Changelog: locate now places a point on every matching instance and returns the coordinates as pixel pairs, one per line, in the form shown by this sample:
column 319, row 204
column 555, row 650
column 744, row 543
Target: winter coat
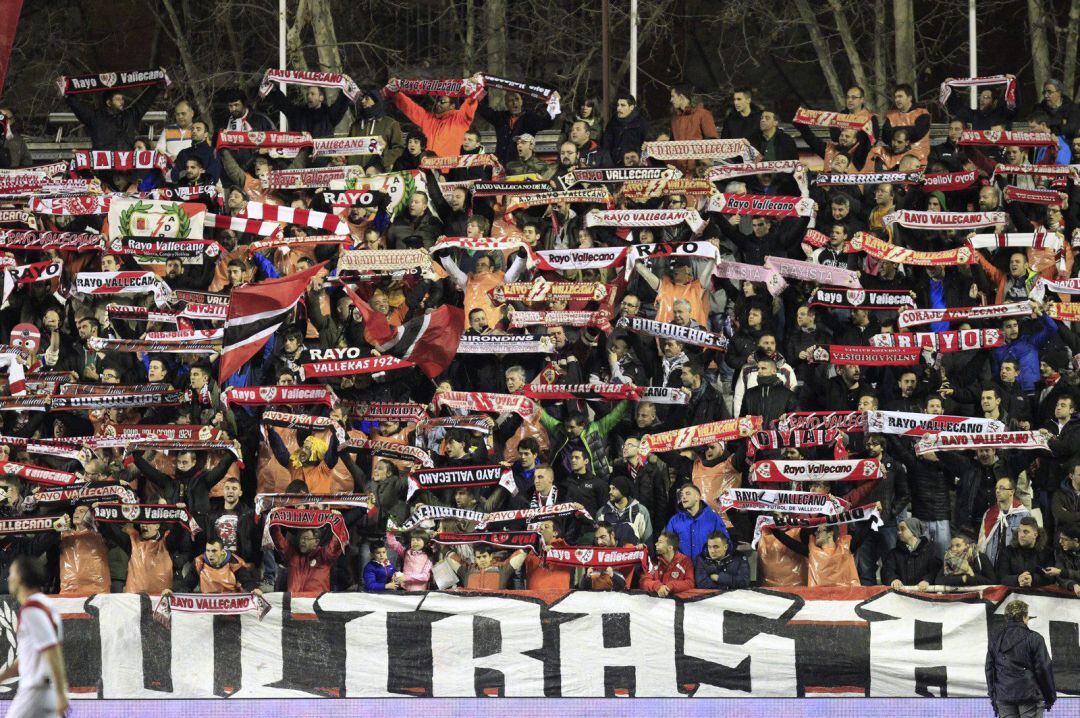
column 911, row 567
column 507, row 126
column 113, row 130
column 732, row 571
column 318, row 121
column 1018, row 667
column 677, row 574
column 443, row 132
column 625, row 134
column 1015, row 560
column 377, row 576
column 694, row 531
column 594, row 437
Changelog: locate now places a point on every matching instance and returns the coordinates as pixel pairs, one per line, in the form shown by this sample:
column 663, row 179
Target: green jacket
column 594, row 437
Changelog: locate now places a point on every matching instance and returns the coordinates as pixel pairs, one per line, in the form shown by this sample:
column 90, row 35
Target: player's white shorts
column 38, row 702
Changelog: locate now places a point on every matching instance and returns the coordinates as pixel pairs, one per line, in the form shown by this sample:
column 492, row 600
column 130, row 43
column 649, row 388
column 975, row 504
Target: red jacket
column 308, row 573
column 677, row 575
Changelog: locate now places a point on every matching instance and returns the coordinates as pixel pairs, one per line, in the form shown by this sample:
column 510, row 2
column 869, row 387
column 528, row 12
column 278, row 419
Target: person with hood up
column 913, row 561
column 626, row 131
column 372, row 121
column 719, row 567
column 1019, row 672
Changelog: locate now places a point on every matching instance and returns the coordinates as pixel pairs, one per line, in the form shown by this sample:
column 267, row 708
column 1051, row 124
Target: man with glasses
column 1064, row 113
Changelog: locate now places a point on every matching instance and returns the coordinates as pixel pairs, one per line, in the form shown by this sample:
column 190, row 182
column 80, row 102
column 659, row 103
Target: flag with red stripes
column 255, row 312
column 430, row 342
column 376, row 328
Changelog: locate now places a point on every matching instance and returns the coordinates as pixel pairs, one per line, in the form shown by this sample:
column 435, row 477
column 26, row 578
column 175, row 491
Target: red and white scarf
column 506, row 344
column 102, row 283
column 32, row 239
column 618, row 175
column 24, row 274
column 840, row 120
column 887, row 251
column 338, row 146
column 1016, row 440
column 383, row 261
column 950, row 341
column 645, row 218
column 311, row 177
column 770, row 471
column 811, row 272
column 347, row 367
column 126, row 161
column 851, row 179
column 118, row 513
column 242, row 225
column 297, row 518
column 77, row 494
column 280, row 394
column 564, row 260
column 719, row 173
column 762, row 205
column 1032, row 196
column 484, row 401
column 309, row 218
column 391, row 449
column 1064, row 311
column 915, row 317
column 1007, row 138
column 540, row 92
column 535, row 515
column 597, row 557
column 605, row 392
column 692, row 186
column 77, row 206
column 1063, row 172
column 561, row 318
column 217, row 604
column 263, row 502
column 1009, row 81
column 437, row 88
column 771, row 440
column 944, row 220
column 305, row 422
column 508, row 540
column 842, row 355
column 1039, row 239
column 451, row 162
column 242, row 140
column 38, row 474
column 541, row 290
column 845, row 421
column 773, row 280
column 164, row 247
column 688, row 437
column 905, row 423
column 309, row 78
column 699, row 150
column 388, row 411
column 591, row 195
column 156, row 346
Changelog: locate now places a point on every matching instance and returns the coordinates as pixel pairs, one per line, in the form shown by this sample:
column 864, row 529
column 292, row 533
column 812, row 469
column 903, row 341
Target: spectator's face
column 851, row 372
column 183, row 114
column 193, row 170
column 418, row 205
column 236, row 109
column 839, row 163
column 1026, row 535
column 907, row 384
column 933, row 406
column 1003, row 492
column 933, row 204
column 380, row 472
column 1063, row 409
column 753, row 318
column 543, row 480
column 232, row 492
column 689, row 379
column 646, row 415
column 414, row 146
column 463, row 499
column 1018, row 265
column 987, row 198
column 156, row 371
column 51, row 320
column 847, row 138
column 198, row 378
column 804, row 318
column 714, row 451
column 586, row 110
column 110, row 376
column 313, row 96
column 630, row 306
column 883, row 195
column 115, row 102
column 87, row 330
column 9, row 493
column 623, row 109
column 620, row 348
column 577, row 462
column 478, row 321
column 631, row 158
column 904, row 533
column 173, row 268
column 853, row 100
column 455, row 448
column 579, row 133
column 760, row 227
column 867, row 403
column 955, row 129
column 109, row 263
column 1051, row 95
column 689, row 498
column 989, row 401
column 524, row 149
column 986, row 456
column 528, row 458
column 1011, row 329
column 840, row 210
column 766, row 368
column 558, row 337
column 236, row 276
column 568, row 154
column 470, row 142
column 482, row 558
column 767, row 344
column 442, row 105
column 768, row 122
column 681, row 314
column 548, row 532
column 1075, row 145
column 514, row 381
column 1053, row 216
column 900, row 142
column 379, row 554
column 630, row 449
column 604, row 537
column 531, row 235
column 215, row 554
column 513, row 103
column 574, row 427
column 457, row 199
column 1008, row 372
column 902, row 100
column 678, row 101
column 741, row 102
column 986, row 100
column 671, row 348
column 838, row 235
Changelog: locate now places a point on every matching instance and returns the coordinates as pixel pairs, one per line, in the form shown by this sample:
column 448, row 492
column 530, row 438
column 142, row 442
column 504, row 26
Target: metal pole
column 973, row 55
column 633, row 46
column 605, row 53
column 283, row 123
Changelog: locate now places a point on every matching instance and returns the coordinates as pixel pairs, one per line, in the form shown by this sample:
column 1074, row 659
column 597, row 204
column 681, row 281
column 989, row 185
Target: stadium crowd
column 682, row 341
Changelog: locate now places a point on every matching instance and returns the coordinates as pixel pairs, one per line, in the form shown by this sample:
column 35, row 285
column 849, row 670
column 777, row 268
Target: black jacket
column 732, row 570
column 1018, row 668
column 113, row 130
column 929, row 483
column 911, row 567
column 650, row 486
column 768, row 402
column 248, row 537
column 319, row 121
column 191, row 487
column 1015, row 560
column 985, row 574
column 783, row 145
column 507, row 126
column 622, row 135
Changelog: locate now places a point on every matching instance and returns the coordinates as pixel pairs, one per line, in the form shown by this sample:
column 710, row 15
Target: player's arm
column 54, row 657
column 11, row 671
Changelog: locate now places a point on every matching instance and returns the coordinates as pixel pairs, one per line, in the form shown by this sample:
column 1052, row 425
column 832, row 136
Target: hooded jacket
column 374, row 122
column 1018, row 667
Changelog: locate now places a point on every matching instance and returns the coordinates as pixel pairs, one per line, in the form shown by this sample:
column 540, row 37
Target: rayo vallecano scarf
column 699, row 435
column 509, row 540
column 1021, row 440
column 145, row 514
column 484, row 401
column 462, row 477
column 597, row 557
column 37, row 474
column 868, row 512
column 265, row 502
column 306, row 77
column 297, row 518
column 795, row 502
column 391, row 449
column 770, row 471
column 915, row 317
column 882, row 299
column 77, row 84
column 911, row 424
column 950, row 341
column 218, row 604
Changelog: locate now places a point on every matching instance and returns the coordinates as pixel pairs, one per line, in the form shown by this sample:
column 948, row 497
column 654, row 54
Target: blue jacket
column 694, row 531
column 376, row 576
column 1025, row 349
